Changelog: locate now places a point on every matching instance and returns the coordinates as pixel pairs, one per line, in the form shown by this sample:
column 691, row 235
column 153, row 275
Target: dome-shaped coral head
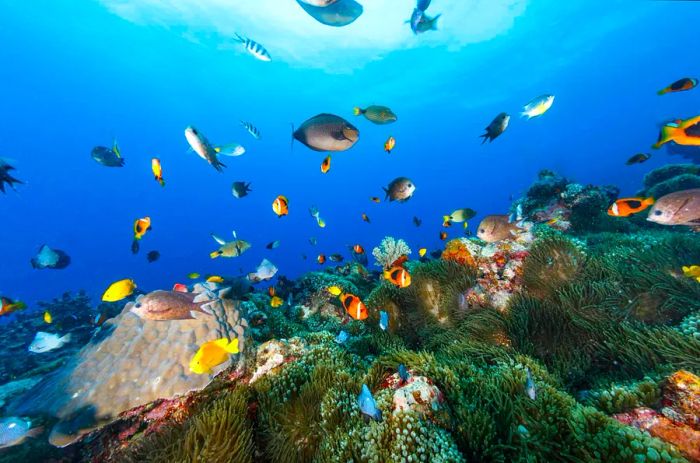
column 457, row 251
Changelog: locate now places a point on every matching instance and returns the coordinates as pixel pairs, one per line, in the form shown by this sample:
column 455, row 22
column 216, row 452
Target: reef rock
column 499, row 271
column 681, row 394
column 274, row 353
column 131, row 362
column 684, row 438
column 419, row 395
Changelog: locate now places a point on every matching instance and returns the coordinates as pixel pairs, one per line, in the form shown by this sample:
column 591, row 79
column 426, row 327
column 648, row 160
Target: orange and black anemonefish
column 321, row 259
column 681, row 85
column 443, row 235
column 627, row 206
column 365, row 217
column 398, row 276
column 354, row 306
column 682, row 132
column 326, row 165
column 280, row 206
column 358, row 249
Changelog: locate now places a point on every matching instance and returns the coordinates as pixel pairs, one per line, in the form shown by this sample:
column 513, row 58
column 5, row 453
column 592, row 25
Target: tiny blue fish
column 403, row 373
column 368, row 406
column 342, row 337
column 383, row 320
column 251, row 129
column 530, row 386
column 254, row 48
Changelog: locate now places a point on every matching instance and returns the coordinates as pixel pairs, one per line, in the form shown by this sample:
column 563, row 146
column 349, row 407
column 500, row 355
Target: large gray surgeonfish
column 335, row 13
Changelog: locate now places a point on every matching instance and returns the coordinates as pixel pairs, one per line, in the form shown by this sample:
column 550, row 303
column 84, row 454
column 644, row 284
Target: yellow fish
column 335, row 290
column 276, row 301
column 47, row 317
column 692, row 271
column 212, row 354
column 157, row 171
column 119, row 290
column 422, row 251
column 215, row 279
column 193, row 275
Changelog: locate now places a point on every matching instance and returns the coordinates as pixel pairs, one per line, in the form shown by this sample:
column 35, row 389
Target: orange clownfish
column 358, row 249
column 280, row 206
column 399, row 276
column 443, row 235
column 321, row 259
column 365, row 217
column 141, row 226
column 389, row 144
column 354, row 306
column 687, row 83
column 326, row 165
column 628, row 206
column 374, row 199
column 157, row 171
column 8, row 306
column 685, row 133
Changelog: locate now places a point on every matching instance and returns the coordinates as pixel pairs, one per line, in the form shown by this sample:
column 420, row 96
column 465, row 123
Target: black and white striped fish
column 254, row 48
column 251, row 129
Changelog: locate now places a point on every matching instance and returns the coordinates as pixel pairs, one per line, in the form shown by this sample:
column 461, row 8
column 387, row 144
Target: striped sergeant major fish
column 254, row 48
column 251, row 129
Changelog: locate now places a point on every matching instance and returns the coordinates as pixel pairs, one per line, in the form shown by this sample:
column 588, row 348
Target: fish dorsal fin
column 235, row 236
column 218, row 240
column 42, row 336
column 115, row 148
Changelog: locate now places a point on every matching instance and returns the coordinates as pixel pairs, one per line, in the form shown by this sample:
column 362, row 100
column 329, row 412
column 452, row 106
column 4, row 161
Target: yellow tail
column 667, row 134
column 214, row 254
column 357, row 111
column 648, row 201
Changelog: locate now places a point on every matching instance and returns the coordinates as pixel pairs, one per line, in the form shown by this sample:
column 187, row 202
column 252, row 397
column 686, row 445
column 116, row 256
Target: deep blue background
column 74, row 76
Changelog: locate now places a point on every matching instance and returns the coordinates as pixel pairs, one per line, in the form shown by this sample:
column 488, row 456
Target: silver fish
column 46, row 342
column 251, row 129
column 14, row 431
column 200, row 145
column 254, row 48
column 327, row 132
column 530, row 387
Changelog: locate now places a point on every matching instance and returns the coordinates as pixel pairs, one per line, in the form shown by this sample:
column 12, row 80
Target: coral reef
column 575, row 341
column 131, row 362
column 389, row 251
column 670, row 178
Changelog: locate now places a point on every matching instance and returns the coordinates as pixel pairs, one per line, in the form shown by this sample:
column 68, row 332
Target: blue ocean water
column 79, row 74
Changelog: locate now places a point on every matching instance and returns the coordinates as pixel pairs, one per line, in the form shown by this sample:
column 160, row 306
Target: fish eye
column 137, row 305
column 481, row 230
column 657, row 212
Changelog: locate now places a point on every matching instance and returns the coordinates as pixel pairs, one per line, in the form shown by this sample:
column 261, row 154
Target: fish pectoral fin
column 218, row 240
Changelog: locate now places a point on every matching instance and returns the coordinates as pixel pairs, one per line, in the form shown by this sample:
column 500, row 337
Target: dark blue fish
column 109, row 157
column 367, row 404
column 5, row 177
column 423, row 4
column 403, row 373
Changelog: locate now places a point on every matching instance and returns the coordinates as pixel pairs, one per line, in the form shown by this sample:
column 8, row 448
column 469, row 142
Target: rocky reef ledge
column 575, row 341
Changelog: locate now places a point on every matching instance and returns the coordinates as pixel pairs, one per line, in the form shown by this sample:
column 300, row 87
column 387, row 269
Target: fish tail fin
column 445, row 218
column 135, row 246
column 232, row 347
column 525, row 115
column 357, row 111
column 667, row 134
column 65, row 339
column 663, row 91
column 214, row 254
column 161, row 181
column 485, row 138
column 35, row 432
column 239, row 37
column 386, row 191
column 291, row 144
column 649, row 201
column 434, row 24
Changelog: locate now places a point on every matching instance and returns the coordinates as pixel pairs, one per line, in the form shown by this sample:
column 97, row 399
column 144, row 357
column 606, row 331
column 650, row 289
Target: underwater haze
column 85, row 73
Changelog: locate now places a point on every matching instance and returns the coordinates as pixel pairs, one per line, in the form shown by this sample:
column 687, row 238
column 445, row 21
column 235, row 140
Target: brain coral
column 129, row 363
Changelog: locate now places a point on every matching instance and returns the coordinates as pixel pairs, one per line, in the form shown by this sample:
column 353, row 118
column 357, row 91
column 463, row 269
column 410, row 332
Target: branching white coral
column 389, row 250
